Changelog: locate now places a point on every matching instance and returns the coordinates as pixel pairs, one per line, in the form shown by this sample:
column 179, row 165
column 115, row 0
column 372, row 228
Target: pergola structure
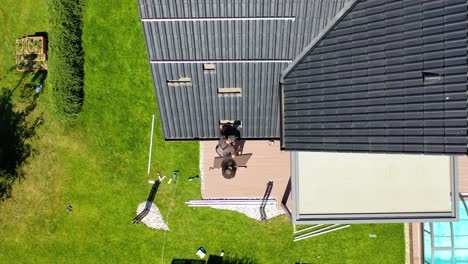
column 447, row 242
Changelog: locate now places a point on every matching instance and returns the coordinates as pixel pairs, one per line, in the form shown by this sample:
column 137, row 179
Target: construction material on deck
column 241, row 160
column 317, row 230
column 243, row 202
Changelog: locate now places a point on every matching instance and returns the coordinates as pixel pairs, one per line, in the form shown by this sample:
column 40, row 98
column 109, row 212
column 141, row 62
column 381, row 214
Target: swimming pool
column 447, row 242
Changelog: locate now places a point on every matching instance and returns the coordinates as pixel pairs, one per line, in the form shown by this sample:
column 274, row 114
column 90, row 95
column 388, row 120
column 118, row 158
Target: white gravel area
column 154, row 218
column 202, row 175
column 407, row 243
column 252, row 211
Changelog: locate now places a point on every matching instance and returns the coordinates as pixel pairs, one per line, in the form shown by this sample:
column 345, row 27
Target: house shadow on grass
column 15, row 131
column 212, row 259
column 188, row 261
column 239, row 260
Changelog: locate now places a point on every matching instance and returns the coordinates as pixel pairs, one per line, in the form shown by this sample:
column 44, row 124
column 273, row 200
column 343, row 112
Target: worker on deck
column 228, row 136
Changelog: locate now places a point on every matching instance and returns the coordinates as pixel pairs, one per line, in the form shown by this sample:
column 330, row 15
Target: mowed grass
column 99, row 166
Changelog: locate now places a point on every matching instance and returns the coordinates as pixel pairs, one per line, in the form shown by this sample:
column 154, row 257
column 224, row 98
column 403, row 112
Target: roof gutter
column 281, row 96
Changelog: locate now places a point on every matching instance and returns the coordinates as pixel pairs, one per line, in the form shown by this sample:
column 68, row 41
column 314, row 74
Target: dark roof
column 250, row 42
column 386, row 76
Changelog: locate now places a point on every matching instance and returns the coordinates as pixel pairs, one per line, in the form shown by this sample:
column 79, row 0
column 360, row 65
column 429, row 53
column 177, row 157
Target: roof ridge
column 335, row 21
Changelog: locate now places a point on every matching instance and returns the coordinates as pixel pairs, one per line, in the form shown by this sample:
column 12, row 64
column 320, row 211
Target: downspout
column 281, row 96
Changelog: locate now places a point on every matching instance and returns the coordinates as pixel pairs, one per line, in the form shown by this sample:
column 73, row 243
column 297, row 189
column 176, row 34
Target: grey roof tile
column 244, row 32
column 380, row 101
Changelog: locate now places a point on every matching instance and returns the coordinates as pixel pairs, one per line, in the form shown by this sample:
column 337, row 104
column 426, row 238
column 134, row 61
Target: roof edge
column 348, row 7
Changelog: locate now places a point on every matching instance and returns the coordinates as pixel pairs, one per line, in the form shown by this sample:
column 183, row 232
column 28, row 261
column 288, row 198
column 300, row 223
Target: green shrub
column 66, row 57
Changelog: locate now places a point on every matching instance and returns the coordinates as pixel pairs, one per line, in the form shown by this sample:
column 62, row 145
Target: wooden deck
column 415, row 243
column 268, row 163
column 463, row 174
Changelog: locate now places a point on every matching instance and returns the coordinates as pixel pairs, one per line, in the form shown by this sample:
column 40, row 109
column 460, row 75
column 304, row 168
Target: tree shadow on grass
column 15, row 131
column 10, row 70
column 239, row 260
column 39, row 77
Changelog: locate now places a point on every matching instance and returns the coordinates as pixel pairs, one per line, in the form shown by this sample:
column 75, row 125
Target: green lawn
column 99, row 166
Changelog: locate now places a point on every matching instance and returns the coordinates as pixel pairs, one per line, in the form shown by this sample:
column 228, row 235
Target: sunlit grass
column 99, row 166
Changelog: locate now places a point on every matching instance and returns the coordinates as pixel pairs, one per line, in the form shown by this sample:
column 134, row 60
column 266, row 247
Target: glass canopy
column 447, row 242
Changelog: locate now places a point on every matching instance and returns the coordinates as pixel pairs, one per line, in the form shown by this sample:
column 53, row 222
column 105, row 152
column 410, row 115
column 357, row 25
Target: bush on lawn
column 66, row 57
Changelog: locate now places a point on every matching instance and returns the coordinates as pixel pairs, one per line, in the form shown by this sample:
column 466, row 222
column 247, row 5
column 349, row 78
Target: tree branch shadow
column 10, row 70
column 15, row 132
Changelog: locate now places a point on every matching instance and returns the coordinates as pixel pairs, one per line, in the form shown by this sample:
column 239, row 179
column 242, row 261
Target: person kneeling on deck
column 227, row 141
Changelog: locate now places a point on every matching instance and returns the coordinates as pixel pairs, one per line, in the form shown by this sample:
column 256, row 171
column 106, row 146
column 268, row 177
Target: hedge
column 66, row 57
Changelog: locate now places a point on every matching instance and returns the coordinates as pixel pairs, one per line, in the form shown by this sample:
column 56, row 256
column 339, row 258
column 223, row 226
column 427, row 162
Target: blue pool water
column 445, row 242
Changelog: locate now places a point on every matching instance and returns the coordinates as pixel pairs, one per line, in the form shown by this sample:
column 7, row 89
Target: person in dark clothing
column 225, row 148
column 230, row 130
column 228, row 137
column 228, row 168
